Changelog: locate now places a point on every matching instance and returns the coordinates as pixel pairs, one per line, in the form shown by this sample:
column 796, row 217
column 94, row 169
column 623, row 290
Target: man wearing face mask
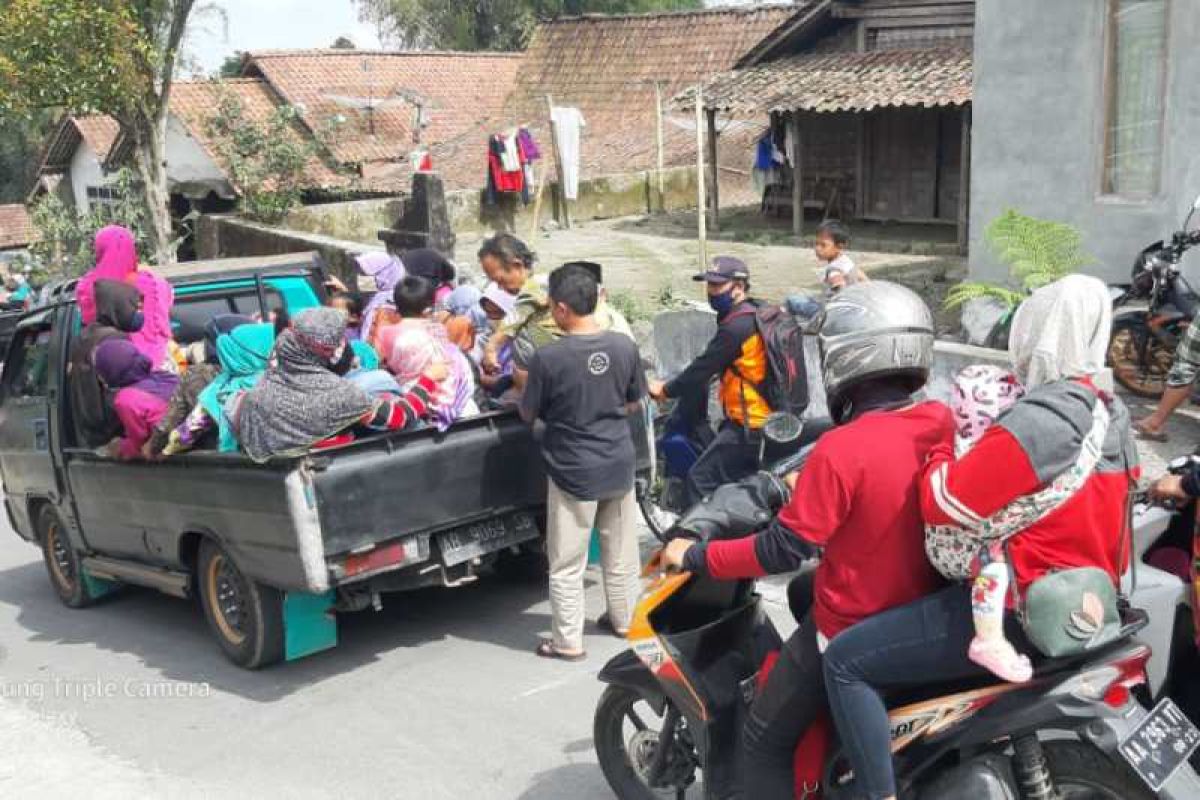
column 738, row 356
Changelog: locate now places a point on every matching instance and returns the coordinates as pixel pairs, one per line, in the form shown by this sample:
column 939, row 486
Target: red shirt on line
column 859, row 499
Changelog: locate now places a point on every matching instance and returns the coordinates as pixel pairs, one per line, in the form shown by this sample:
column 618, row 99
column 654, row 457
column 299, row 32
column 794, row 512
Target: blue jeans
column 922, row 643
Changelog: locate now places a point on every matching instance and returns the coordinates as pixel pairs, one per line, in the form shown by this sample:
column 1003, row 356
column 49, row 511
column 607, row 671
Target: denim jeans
column 791, row 701
column 924, row 642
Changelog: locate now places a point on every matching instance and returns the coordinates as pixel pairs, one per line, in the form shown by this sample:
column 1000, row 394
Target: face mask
column 343, row 360
column 721, row 303
column 136, row 321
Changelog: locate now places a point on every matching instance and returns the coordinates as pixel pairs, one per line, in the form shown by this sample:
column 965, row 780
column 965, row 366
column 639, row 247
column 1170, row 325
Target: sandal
column 546, row 649
column 604, row 623
column 1142, row 432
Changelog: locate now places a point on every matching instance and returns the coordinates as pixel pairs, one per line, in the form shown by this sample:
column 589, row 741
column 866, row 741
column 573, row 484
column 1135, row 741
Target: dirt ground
column 648, row 262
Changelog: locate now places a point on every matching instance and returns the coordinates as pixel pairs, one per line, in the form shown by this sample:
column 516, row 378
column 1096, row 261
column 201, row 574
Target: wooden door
column 903, row 174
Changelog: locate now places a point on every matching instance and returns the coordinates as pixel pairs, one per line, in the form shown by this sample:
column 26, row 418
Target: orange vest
column 739, row 398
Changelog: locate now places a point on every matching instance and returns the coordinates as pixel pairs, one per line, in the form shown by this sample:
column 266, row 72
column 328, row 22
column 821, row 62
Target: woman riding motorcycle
column 1057, row 346
column 856, row 499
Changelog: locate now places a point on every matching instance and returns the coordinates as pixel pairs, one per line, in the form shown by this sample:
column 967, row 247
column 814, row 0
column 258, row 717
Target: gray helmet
column 873, row 330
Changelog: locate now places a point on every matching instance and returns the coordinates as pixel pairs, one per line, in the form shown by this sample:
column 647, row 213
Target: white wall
column 85, row 172
column 190, row 170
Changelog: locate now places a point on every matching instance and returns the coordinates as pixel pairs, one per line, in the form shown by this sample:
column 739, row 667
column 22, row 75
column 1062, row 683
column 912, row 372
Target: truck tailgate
column 418, row 482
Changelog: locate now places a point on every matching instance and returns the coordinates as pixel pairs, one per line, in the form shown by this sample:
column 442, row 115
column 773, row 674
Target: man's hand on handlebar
column 674, row 552
column 657, row 390
column 1168, row 488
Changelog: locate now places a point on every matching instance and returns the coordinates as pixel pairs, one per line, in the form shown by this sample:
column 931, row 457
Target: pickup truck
column 272, row 550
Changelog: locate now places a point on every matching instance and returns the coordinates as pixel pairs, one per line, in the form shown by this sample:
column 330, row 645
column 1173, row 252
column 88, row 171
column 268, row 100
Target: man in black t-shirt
column 583, row 387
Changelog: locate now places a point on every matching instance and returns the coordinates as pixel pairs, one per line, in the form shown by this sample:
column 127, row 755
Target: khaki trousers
column 569, row 529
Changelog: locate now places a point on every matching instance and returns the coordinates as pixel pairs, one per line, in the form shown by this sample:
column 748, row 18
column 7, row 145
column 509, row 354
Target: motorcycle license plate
column 471, row 541
column 1160, row 744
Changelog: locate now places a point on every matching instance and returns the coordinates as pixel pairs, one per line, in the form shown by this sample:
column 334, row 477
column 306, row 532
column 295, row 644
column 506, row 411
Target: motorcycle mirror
column 783, row 427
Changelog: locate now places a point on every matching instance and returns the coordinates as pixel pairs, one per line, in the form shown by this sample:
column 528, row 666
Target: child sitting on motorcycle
column 963, row 551
column 877, row 345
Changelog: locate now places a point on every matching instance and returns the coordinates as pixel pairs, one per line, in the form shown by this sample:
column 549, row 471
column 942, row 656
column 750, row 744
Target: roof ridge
column 317, row 51
column 789, row 7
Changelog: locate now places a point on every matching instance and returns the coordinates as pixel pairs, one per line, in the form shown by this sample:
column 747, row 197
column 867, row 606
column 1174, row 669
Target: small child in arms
column 830, row 249
column 981, row 394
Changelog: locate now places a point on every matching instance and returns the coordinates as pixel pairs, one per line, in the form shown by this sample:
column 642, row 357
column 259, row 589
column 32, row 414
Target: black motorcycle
column 676, row 701
column 1142, row 346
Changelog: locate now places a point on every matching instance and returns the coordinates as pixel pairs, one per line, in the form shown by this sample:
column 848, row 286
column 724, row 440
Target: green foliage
column 65, row 238
column 266, row 160
column 231, row 67
column 629, row 305
column 21, row 140
column 485, row 24
column 1037, row 252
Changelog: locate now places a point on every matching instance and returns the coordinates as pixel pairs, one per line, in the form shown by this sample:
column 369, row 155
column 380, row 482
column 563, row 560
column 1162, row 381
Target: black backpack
column 785, row 387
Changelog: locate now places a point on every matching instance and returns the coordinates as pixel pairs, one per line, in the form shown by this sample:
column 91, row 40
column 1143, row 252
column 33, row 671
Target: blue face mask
column 721, row 303
column 136, row 321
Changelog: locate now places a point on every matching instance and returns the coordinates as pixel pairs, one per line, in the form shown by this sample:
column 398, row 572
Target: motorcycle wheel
column 1146, row 378
column 659, row 519
column 1081, row 772
column 626, row 739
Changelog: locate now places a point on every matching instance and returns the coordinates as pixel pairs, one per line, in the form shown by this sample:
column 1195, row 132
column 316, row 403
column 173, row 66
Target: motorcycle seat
column 1132, row 621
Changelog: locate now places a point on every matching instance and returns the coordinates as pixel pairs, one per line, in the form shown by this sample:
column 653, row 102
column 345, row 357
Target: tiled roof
column 607, row 67
column 16, row 228
column 99, row 132
column 457, row 90
column 843, row 82
column 195, row 102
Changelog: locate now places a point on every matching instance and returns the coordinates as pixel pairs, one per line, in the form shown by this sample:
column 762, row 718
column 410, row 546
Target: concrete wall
column 85, row 171
column 355, row 220
column 226, row 236
column 190, row 170
column 1038, row 140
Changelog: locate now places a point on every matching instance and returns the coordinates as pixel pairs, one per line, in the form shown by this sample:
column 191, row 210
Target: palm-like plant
column 1037, row 252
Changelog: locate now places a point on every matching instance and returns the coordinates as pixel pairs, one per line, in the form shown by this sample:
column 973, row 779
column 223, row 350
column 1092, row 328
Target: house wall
column 1038, row 140
column 190, row 170
column 85, row 171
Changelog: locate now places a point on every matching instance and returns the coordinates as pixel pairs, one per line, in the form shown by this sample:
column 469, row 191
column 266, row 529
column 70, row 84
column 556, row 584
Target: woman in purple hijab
column 388, row 271
column 142, row 394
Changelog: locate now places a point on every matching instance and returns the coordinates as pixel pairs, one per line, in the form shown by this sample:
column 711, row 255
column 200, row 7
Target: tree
column 343, row 43
column 21, row 140
column 484, row 24
column 231, row 67
column 114, row 57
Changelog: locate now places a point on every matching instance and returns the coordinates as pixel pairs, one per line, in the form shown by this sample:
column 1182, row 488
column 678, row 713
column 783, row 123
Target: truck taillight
column 381, row 557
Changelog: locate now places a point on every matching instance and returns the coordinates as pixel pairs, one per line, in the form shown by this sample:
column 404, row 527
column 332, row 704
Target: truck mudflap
column 309, row 624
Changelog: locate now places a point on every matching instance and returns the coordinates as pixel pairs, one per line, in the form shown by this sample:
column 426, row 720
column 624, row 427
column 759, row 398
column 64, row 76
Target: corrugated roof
column 457, row 90
column 606, row 66
column 843, row 82
column 16, row 228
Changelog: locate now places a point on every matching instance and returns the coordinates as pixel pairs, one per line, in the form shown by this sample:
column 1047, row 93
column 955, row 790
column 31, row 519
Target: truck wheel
column 62, row 561
column 246, row 617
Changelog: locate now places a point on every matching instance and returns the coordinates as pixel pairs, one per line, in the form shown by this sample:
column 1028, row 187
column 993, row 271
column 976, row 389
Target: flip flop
column 1148, row 435
column 546, row 649
column 604, row 623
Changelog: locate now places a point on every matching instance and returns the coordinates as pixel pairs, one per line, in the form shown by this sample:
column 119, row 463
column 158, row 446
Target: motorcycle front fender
column 627, row 670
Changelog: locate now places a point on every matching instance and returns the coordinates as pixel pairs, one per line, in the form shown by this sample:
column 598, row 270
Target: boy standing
column 582, row 386
column 830, row 247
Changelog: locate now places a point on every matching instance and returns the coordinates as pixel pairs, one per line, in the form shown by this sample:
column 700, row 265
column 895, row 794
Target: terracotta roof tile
column 607, row 67
column 99, row 132
column 458, row 89
column 16, row 228
column 194, row 103
column 843, row 82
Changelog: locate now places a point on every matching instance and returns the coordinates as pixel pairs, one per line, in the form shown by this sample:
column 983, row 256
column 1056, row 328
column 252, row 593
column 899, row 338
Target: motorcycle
column 675, row 702
column 1142, row 346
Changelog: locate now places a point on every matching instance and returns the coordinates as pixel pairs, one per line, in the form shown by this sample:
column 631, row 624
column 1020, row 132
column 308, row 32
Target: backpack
column 785, row 387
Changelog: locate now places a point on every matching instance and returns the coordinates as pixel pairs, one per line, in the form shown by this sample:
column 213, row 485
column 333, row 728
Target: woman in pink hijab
column 116, row 260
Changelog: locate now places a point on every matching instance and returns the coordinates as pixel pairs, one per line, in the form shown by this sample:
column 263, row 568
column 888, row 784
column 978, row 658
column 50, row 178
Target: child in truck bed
column 142, row 394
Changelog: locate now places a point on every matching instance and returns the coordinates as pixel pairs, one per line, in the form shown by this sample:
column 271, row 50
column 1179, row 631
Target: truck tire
column 62, row 561
column 245, row 617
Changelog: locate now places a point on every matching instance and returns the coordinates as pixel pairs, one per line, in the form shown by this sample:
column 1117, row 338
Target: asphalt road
column 436, row 696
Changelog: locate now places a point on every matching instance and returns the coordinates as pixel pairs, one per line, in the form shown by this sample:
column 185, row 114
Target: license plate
column 471, row 541
column 1160, row 744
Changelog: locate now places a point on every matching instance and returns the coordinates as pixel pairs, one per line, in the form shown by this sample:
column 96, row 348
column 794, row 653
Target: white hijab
column 1061, row 331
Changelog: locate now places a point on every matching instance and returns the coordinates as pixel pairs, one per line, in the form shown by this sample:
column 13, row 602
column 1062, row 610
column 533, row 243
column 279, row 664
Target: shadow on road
column 171, row 636
column 586, row 782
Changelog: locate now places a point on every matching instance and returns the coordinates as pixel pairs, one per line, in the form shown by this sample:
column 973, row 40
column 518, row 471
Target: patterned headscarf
column 982, row 392
column 299, row 400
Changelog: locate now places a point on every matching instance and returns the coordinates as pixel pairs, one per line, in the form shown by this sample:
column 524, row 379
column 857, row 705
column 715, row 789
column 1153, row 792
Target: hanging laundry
column 500, row 179
column 529, row 147
column 568, row 123
column 510, row 159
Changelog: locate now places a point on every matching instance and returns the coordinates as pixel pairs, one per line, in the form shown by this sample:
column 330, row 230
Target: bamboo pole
column 562, row 185
column 658, row 139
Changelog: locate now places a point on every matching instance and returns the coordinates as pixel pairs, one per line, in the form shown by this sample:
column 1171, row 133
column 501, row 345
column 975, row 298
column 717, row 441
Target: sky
column 267, row 24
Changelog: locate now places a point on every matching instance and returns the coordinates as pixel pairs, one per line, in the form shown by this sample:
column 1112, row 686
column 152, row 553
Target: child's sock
column 989, row 648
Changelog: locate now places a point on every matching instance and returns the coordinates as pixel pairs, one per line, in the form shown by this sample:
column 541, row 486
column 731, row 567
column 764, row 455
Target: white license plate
column 1160, row 744
column 471, row 541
